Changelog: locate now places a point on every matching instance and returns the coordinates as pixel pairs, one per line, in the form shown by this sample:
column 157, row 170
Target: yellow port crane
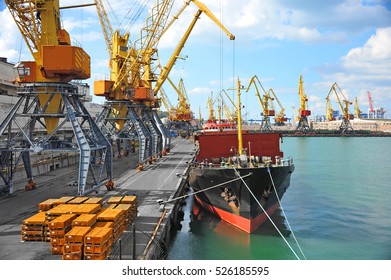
column 48, row 100
column 170, row 63
column 303, row 125
column 211, row 110
column 265, row 103
column 133, row 78
column 357, row 111
column 345, row 126
column 167, row 103
column 280, row 117
column 183, row 111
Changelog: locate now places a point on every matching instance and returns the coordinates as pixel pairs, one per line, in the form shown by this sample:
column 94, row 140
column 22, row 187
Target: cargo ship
column 240, row 175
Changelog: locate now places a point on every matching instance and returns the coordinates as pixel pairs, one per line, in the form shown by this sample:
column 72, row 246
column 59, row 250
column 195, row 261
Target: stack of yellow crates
column 58, row 228
column 47, row 204
column 33, row 228
column 97, row 243
column 80, row 227
column 74, row 243
column 117, row 217
column 132, row 211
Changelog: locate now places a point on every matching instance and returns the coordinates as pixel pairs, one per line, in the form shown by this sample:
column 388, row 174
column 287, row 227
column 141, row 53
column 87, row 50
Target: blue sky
column 348, row 42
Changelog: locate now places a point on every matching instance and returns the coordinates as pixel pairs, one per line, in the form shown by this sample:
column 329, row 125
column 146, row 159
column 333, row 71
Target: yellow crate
column 129, row 199
column 47, row 204
column 104, row 224
column 63, row 200
column 57, row 250
column 110, row 215
column 98, row 235
column 96, row 249
column 85, row 208
column 37, row 219
column 62, row 221
column 57, row 241
column 114, row 200
column 85, row 220
column 73, row 248
column 61, row 209
column 94, row 200
column 76, row 234
column 72, row 256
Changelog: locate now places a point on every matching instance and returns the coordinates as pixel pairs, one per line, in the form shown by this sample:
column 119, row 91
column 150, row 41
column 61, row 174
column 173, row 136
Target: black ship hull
column 234, row 202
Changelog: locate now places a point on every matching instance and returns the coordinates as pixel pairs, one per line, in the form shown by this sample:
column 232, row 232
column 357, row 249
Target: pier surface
column 162, row 180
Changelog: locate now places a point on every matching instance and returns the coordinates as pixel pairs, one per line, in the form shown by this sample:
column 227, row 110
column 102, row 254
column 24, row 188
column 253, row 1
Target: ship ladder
column 267, row 215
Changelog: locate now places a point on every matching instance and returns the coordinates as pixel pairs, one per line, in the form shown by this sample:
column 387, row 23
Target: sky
column 342, row 41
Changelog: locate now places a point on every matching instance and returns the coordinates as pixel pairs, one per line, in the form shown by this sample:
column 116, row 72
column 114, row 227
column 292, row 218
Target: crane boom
column 170, row 63
column 105, row 23
column 139, row 58
column 266, row 97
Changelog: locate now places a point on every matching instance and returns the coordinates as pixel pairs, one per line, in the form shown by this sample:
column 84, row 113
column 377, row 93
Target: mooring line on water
column 283, row 212
column 267, row 215
column 204, row 190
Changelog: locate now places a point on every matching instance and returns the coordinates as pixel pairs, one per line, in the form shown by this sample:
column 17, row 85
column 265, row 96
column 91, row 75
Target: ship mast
column 240, row 139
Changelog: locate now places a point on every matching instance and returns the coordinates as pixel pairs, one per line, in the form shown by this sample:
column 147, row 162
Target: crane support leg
column 144, row 137
column 39, row 122
column 156, row 135
column 164, row 131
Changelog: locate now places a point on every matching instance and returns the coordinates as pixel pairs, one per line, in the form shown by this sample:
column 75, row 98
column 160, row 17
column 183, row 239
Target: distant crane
column 280, row 117
column 303, row 111
column 264, row 102
column 357, row 111
column 376, row 113
column 346, row 117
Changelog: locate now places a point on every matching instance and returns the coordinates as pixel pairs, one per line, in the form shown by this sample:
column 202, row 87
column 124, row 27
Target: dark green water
column 338, row 205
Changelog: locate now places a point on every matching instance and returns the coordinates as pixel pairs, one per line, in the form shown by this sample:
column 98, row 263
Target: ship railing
column 240, row 164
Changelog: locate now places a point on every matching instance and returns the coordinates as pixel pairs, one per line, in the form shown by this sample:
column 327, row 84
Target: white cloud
column 200, row 91
column 372, row 59
column 8, row 41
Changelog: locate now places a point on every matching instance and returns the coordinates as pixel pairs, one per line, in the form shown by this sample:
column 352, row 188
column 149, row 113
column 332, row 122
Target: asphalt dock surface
column 161, row 180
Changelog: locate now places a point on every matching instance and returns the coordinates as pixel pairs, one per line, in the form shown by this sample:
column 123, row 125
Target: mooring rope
column 283, row 212
column 204, row 190
column 267, row 215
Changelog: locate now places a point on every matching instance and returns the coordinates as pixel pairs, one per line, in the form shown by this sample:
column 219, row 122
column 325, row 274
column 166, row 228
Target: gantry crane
column 50, row 115
column 303, row 125
column 264, row 102
column 280, row 117
column 183, row 111
column 346, row 116
column 129, row 100
column 135, row 76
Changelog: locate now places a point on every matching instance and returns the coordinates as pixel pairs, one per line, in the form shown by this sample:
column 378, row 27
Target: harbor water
column 338, row 206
